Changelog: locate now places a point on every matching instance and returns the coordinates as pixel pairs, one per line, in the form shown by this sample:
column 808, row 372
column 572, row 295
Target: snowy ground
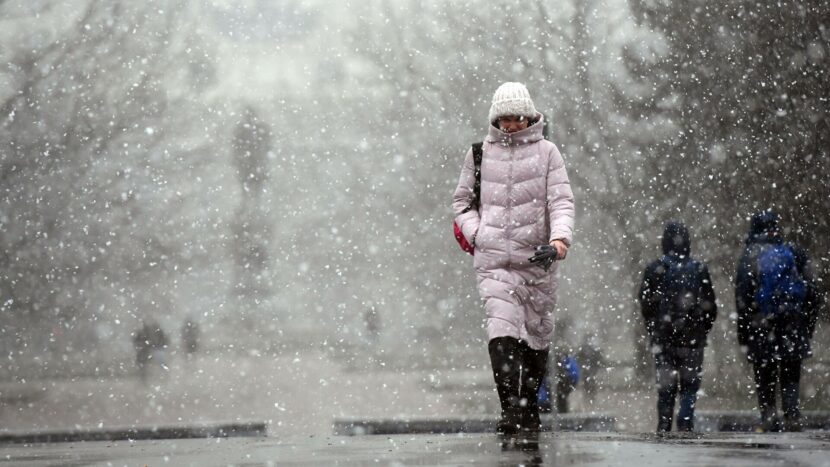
column 300, row 395
column 551, row 449
column 295, row 394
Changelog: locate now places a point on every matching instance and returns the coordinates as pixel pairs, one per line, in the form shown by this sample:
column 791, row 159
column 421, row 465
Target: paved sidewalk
column 552, row 449
column 300, row 394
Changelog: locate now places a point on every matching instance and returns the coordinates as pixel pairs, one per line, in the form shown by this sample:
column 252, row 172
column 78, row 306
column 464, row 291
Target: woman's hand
column 561, row 249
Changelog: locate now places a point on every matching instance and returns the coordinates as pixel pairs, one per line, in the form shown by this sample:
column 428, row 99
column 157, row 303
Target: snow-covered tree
column 99, row 124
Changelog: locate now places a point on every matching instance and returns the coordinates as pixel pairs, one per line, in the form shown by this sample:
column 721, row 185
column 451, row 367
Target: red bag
column 462, row 242
column 459, row 237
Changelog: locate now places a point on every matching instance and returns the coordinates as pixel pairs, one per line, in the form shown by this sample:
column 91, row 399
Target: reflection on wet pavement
column 547, row 449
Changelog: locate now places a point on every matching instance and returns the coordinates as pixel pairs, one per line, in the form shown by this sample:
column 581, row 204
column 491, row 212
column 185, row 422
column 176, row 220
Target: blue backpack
column 781, row 288
column 571, row 368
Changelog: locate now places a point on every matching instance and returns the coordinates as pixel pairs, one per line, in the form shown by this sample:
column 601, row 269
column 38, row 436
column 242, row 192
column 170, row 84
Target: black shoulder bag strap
column 478, row 153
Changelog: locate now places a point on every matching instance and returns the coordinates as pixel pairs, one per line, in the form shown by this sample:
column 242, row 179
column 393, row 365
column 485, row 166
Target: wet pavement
column 551, row 449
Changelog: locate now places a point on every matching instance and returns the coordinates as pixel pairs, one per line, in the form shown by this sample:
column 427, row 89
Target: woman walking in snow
column 522, row 222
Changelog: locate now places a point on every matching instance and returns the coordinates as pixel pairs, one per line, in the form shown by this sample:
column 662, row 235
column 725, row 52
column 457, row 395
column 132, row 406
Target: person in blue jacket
column 777, row 303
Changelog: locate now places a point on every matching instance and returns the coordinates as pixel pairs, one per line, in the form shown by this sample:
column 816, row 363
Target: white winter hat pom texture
column 512, row 99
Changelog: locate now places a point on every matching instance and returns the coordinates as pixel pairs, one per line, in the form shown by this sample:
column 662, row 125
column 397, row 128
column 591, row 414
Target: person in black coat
column 678, row 304
column 775, row 333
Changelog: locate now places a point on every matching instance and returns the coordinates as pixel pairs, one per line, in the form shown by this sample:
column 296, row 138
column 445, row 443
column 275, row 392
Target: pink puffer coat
column 526, row 200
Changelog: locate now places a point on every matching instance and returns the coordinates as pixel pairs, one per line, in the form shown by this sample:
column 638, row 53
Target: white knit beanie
column 512, row 99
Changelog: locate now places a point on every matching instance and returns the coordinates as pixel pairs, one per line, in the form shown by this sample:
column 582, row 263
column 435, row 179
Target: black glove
column 545, row 256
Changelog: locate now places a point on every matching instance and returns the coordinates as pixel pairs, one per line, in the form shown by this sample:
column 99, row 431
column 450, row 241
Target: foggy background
column 274, row 171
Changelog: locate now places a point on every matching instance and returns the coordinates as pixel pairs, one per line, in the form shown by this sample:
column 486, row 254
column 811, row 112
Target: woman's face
column 512, row 123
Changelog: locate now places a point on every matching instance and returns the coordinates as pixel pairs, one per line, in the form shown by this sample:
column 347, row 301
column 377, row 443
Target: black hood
column 676, row 240
column 763, row 227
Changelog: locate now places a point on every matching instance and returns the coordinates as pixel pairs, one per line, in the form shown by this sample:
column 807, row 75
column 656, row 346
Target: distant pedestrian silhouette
column 678, row 303
column 372, row 320
column 150, row 344
column 590, row 360
column 190, row 334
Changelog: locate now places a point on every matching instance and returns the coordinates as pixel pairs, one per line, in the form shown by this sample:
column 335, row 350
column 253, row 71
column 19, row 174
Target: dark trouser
column 518, row 370
column 562, row 401
column 564, row 388
column 677, row 368
column 787, row 373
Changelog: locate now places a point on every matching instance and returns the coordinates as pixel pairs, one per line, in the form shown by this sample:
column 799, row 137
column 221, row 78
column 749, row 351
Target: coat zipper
column 509, row 226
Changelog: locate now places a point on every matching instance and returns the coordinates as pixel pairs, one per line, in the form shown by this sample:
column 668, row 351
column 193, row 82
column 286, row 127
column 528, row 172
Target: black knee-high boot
column 506, row 360
column 535, row 364
column 518, row 371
